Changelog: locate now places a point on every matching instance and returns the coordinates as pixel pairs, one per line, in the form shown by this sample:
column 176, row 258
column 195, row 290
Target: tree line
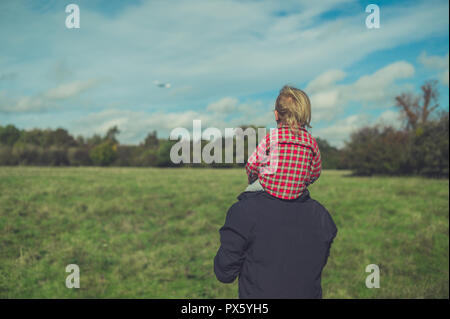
column 420, row 146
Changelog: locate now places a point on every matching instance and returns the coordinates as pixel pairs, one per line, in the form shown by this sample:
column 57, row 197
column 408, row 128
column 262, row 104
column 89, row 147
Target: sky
column 225, row 61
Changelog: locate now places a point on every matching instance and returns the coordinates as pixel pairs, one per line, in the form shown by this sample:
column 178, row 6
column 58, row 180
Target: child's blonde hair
column 293, row 107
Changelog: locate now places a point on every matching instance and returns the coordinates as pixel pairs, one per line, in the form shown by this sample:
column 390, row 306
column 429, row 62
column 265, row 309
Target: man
column 277, row 247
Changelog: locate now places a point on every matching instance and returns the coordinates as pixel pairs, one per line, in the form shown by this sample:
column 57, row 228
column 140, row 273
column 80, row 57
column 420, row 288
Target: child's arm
column 316, row 164
column 254, row 161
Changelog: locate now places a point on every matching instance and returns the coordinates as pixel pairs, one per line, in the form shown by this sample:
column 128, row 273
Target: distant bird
column 162, row 85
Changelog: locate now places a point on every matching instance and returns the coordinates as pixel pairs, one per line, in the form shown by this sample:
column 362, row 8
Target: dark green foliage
column 46, row 138
column 6, row 156
column 372, row 150
column 125, row 155
column 151, row 140
column 104, row 154
column 79, row 156
column 54, row 156
column 375, row 150
column 422, row 150
column 430, row 148
column 112, row 133
column 94, row 140
column 9, row 135
column 27, row 154
column 60, row 137
column 331, row 156
column 163, row 154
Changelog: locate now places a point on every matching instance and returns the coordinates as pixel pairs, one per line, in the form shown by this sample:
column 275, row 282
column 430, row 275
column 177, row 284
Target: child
column 288, row 159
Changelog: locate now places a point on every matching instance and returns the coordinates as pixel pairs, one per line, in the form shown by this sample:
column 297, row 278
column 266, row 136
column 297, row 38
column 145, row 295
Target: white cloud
column 46, row 100
column 339, row 132
column 135, row 125
column 373, row 91
column 444, row 77
column 439, row 63
column 65, row 91
column 379, row 87
column 329, row 101
column 209, row 51
column 225, row 105
column 433, row 61
column 389, row 118
column 214, row 48
column 376, row 90
column 325, row 80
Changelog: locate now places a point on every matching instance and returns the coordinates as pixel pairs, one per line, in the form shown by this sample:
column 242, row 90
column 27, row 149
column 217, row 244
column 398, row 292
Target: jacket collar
column 303, row 197
column 302, row 128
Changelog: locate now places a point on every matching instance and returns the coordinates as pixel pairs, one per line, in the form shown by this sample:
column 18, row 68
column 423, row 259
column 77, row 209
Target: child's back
column 288, row 159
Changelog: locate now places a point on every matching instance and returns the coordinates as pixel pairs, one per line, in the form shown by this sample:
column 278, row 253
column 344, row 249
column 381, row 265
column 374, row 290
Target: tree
column 78, row 156
column 59, row 137
column 111, row 134
column 416, row 110
column 151, row 140
column 80, row 140
column 430, row 148
column 163, row 154
column 330, row 155
column 33, row 137
column 375, row 150
column 94, row 140
column 9, row 134
column 104, row 154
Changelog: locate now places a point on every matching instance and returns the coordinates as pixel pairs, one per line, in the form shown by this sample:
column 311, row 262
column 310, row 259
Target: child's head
column 293, row 107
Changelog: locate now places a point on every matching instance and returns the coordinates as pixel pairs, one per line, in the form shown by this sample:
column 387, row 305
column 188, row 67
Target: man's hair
column 293, row 107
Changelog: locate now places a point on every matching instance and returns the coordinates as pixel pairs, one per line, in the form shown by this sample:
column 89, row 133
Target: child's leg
column 254, row 187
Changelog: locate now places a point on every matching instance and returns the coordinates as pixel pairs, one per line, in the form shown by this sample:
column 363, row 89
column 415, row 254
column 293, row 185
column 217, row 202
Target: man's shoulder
column 257, row 201
column 248, row 198
column 318, row 205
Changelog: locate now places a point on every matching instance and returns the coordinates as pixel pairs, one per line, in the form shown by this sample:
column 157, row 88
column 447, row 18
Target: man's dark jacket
column 277, row 247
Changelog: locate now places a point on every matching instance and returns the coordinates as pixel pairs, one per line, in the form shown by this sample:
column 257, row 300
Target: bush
column 149, row 157
column 27, row 154
column 9, row 135
column 54, row 156
column 430, row 148
column 78, row 156
column 423, row 150
column 375, row 150
column 330, row 155
column 104, row 154
column 163, row 154
column 6, row 156
column 124, row 155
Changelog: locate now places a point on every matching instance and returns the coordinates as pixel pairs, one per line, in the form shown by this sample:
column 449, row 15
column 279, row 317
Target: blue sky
column 225, row 60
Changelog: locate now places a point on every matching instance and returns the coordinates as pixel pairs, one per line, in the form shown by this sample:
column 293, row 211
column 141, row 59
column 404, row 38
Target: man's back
column 278, row 248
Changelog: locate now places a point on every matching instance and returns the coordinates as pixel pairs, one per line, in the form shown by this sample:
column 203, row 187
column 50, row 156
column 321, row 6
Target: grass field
column 153, row 233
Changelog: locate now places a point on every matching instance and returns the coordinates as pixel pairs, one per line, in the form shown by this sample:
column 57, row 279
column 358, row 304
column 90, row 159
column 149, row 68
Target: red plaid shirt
column 285, row 164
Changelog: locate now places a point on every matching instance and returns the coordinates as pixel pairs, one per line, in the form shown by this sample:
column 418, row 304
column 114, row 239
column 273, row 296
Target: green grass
column 153, row 233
